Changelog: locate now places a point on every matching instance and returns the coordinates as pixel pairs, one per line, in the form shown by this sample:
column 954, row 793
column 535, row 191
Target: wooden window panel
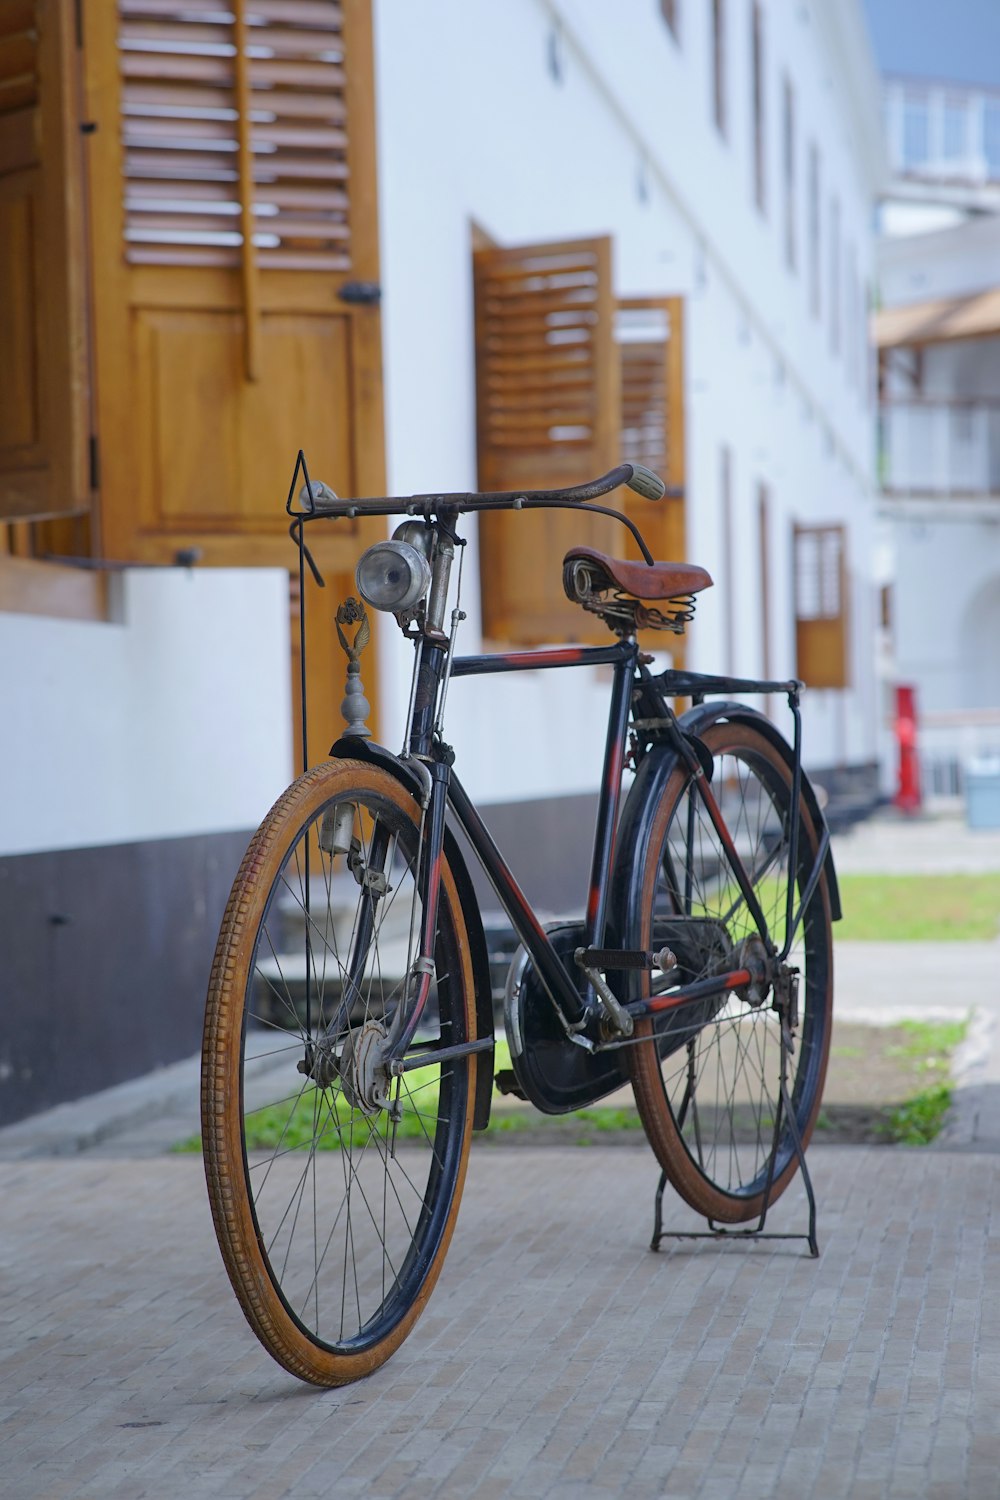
column 651, row 350
column 819, row 554
column 44, row 413
column 547, row 403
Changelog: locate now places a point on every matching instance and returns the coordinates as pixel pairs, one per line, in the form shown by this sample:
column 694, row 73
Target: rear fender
column 350, row 748
column 697, row 720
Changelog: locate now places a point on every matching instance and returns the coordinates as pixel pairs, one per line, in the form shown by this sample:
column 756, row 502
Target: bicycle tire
column 707, row 1087
column 332, row 1308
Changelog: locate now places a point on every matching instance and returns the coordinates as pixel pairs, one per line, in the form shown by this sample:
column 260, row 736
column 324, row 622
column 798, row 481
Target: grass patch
column 919, row 1120
column 919, row 908
column 928, row 1048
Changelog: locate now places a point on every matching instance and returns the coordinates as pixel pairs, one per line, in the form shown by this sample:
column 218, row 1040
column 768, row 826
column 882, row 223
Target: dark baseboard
column 104, row 962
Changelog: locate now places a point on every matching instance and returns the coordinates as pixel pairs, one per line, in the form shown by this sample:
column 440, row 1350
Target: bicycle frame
column 631, row 681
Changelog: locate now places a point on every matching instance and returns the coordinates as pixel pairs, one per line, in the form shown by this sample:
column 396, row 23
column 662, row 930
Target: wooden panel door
column 547, row 389
column 233, row 230
column 820, row 560
column 44, row 410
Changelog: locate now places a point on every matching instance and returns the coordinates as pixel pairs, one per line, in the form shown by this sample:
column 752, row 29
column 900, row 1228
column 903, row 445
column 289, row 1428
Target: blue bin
column 982, row 793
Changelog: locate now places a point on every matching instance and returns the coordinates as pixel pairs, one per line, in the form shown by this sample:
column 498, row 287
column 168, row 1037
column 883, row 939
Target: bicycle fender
column 625, row 903
column 697, row 720
column 351, row 748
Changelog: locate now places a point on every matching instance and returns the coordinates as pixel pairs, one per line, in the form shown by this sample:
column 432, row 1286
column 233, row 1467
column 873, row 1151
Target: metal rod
column 537, row 661
column 419, row 1057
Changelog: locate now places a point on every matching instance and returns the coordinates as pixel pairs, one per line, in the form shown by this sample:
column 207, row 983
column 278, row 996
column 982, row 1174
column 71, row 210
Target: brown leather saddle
column 620, row 591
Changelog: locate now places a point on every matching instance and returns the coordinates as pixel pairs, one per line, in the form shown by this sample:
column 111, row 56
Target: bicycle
column 350, row 1006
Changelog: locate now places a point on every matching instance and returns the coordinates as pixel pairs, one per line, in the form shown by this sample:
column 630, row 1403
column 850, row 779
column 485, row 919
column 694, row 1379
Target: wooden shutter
column 547, row 386
column 821, row 606
column 650, row 332
column 234, row 227
column 44, row 420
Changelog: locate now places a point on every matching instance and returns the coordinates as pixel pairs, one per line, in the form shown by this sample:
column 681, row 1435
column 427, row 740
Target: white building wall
column 941, row 515
column 171, row 718
column 473, row 127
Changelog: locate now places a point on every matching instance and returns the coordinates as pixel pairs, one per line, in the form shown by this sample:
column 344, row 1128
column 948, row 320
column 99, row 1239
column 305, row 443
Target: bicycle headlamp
column 393, row 576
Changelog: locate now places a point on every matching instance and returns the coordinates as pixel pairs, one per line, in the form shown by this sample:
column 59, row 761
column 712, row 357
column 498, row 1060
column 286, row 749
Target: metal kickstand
column 717, row 1231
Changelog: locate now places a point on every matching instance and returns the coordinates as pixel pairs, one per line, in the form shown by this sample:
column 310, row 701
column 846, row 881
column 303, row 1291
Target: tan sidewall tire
column 644, row 1064
column 221, row 1066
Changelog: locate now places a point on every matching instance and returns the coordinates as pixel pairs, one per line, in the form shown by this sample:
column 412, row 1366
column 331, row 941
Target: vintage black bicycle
column 349, row 1035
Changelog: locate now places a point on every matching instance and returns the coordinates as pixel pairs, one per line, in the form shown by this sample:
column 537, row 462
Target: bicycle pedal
column 506, row 1082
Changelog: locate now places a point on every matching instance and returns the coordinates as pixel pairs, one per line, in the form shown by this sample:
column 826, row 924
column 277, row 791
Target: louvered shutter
column 821, row 606
column 188, row 74
column 44, row 425
column 650, row 332
column 547, row 389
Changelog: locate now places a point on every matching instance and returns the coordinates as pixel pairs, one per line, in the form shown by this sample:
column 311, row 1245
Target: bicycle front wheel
column 707, row 1083
column 334, row 1187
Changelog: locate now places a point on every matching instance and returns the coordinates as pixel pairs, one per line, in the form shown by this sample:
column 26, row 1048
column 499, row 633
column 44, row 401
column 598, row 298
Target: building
column 938, row 333
column 700, row 177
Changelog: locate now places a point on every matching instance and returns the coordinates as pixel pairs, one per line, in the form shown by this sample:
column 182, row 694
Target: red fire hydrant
column 907, row 796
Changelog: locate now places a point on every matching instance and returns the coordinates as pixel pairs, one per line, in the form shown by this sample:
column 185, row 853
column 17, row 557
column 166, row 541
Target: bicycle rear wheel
column 707, row 1087
column 334, row 1189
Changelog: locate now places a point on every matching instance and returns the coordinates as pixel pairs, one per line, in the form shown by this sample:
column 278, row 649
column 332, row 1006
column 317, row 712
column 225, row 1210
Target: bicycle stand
column 718, row 1231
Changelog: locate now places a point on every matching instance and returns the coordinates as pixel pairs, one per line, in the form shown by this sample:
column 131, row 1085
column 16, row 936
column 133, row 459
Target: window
column 788, row 165
column 763, row 531
column 835, row 276
column 991, row 137
column 814, row 230
column 728, row 551
column 568, row 382
column 820, row 606
column 955, row 128
column 670, row 10
column 855, row 359
column 719, row 64
column 650, row 338
column 759, row 121
column 916, row 129
column 548, row 414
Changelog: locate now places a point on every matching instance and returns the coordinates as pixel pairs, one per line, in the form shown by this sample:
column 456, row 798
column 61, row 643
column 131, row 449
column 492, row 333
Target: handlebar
column 319, row 500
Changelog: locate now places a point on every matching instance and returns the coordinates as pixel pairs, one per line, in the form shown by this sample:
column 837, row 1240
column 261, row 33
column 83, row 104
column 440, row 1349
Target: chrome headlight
column 393, row 576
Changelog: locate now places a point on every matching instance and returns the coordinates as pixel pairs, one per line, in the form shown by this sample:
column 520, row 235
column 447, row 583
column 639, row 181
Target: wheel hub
column 364, row 1073
column 751, row 954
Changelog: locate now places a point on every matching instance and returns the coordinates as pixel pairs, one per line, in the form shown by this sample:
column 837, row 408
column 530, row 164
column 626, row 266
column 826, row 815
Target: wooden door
column 233, row 232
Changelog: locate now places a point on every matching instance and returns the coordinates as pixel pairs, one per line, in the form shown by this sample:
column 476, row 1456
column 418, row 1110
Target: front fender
column 351, row 748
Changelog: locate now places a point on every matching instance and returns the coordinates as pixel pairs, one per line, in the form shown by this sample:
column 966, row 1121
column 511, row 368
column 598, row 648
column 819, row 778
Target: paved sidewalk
column 558, row 1358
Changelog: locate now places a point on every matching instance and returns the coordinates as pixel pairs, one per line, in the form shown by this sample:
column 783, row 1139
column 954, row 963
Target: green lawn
column 919, row 908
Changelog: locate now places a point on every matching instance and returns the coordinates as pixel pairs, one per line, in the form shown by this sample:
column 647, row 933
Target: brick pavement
column 558, row 1358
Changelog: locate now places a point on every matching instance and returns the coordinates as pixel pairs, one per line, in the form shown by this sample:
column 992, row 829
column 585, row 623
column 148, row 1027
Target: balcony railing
column 940, row 448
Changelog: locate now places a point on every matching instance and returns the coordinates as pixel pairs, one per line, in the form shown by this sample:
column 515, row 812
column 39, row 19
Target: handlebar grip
column 645, row 483
column 320, row 498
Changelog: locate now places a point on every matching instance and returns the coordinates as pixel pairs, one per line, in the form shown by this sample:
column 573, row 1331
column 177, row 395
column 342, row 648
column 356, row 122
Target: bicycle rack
column 720, row 1232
